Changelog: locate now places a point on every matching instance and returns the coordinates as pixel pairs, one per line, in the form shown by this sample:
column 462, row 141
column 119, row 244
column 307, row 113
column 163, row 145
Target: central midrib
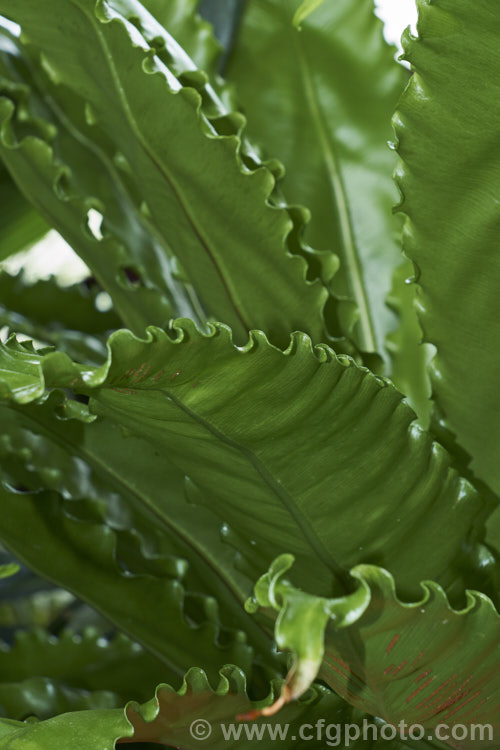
column 340, row 201
column 183, row 204
column 286, row 500
column 95, row 460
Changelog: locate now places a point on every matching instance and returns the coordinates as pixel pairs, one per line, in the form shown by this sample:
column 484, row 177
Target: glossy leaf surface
column 404, row 662
column 197, row 713
column 447, row 123
column 213, row 408
column 49, row 147
column 321, row 99
column 232, row 244
column 20, row 225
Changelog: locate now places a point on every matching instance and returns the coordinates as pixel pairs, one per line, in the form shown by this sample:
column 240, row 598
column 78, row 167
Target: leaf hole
column 132, row 277
column 94, row 223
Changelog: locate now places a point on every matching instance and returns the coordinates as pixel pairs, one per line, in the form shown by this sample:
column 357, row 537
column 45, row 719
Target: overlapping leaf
column 447, row 125
column 195, row 35
column 44, row 698
column 42, row 675
column 65, row 174
column 301, row 450
column 149, row 606
column 199, row 713
column 140, row 494
column 321, row 100
column 421, row 663
column 63, row 317
column 410, row 356
column 375, row 488
column 20, row 224
column 231, row 242
column 304, row 10
column 424, row 662
column 47, row 303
